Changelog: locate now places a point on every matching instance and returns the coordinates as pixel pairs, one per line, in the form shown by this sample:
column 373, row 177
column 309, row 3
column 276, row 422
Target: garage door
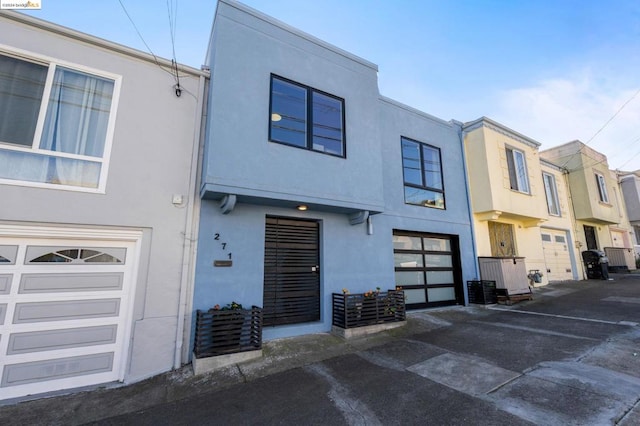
column 64, row 313
column 556, row 255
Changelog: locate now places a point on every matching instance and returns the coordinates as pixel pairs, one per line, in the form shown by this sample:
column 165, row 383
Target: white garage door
column 556, row 255
column 64, row 312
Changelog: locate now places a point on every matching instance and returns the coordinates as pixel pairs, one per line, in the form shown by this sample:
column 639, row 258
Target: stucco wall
column 151, row 160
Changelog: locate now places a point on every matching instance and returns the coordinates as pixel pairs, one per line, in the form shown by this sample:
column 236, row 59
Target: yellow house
column 512, row 195
column 601, row 222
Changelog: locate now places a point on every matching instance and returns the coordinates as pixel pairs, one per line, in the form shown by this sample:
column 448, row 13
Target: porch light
column 276, row 117
column 302, row 207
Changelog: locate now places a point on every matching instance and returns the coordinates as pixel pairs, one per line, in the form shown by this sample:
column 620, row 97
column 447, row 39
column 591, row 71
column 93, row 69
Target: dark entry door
column 590, row 236
column 291, row 271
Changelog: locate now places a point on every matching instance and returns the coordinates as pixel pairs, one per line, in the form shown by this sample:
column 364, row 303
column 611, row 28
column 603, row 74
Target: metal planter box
column 224, row 332
column 482, row 292
column 358, row 310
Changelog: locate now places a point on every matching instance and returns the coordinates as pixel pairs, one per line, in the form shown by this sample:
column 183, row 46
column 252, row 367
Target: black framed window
column 306, row 118
column 422, row 170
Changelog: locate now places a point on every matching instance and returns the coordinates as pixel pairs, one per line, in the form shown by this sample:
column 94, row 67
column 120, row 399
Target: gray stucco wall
column 151, row 160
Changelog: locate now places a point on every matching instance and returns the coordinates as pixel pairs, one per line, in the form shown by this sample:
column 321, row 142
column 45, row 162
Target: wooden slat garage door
column 291, row 277
column 64, row 308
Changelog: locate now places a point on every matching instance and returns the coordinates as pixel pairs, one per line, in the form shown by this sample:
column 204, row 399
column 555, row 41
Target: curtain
column 76, row 123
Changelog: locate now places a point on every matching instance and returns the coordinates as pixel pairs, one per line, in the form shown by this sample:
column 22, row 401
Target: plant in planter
column 227, row 329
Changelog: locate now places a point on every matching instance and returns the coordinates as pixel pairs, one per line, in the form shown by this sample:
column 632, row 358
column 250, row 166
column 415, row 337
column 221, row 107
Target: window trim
column 601, row 184
column 308, row 116
column 423, row 186
column 553, row 188
column 51, row 64
column 511, row 151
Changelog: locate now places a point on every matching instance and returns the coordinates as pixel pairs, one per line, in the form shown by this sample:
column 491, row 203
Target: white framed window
column 602, row 188
column 56, row 122
column 518, row 176
column 551, row 191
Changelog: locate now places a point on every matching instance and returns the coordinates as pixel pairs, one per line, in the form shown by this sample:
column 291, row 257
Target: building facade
column 313, row 183
column 98, row 159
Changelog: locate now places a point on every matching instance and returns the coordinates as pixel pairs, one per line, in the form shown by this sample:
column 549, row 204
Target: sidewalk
column 575, row 346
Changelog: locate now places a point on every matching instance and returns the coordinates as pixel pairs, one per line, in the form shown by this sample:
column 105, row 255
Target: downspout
column 468, row 194
column 191, row 229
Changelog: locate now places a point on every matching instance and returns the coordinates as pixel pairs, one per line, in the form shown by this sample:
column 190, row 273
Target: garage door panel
column 38, row 341
column 77, row 255
column 3, row 312
column 65, row 310
column 52, row 369
column 5, row 283
column 556, row 255
column 8, row 254
column 59, row 283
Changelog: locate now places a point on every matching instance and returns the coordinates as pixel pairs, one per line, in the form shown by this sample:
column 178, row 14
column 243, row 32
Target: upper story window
column 422, row 170
column 517, row 170
column 305, row 117
column 551, row 191
column 55, row 124
column 602, row 188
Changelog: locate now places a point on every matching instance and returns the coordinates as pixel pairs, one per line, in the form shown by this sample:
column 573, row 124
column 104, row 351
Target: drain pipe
column 191, row 228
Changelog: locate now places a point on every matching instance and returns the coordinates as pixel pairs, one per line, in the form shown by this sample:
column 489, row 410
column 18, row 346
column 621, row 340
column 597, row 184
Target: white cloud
column 564, row 109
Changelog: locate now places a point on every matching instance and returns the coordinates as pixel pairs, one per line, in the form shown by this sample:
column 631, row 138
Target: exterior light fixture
column 302, row 207
column 276, row 117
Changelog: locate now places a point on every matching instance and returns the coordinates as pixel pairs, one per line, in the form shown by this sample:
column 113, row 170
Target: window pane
column 48, row 169
column 408, row 260
column 411, row 162
column 438, row 261
column 551, row 193
column 404, row 242
column 288, row 113
column 513, row 179
column 439, row 277
column 423, row 197
column 431, row 167
column 414, row 296
column 21, row 87
column 521, row 171
column 78, row 113
column 409, row 278
column 546, row 237
column 559, row 239
column 437, row 244
column 327, row 124
column 602, row 188
column 440, row 294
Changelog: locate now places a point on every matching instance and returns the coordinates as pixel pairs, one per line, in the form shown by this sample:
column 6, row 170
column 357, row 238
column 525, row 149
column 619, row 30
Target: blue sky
column 553, row 70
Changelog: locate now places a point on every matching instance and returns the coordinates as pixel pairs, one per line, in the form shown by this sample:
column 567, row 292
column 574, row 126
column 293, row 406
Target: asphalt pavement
column 571, row 356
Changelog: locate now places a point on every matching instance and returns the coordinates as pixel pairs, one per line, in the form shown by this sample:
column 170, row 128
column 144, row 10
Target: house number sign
column 222, row 262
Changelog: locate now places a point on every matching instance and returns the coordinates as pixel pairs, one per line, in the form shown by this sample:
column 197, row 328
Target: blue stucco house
column 313, row 182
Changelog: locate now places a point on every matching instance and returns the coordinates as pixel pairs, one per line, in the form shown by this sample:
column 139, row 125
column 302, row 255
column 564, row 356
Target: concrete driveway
column 569, row 357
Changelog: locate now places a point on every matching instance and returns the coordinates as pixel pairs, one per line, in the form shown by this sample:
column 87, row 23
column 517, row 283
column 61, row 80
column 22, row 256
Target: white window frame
column 52, row 63
column 602, row 188
column 551, row 192
column 520, row 171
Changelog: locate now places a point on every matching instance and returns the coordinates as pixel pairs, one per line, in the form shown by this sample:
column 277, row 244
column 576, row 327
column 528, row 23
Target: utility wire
column 603, row 126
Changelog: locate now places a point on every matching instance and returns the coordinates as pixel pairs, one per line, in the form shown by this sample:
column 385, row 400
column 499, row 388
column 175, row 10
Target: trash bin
column 591, row 259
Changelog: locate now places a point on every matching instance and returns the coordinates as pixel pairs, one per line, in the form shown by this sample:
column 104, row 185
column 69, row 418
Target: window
column 55, row 123
column 546, row 237
column 552, row 194
column 602, row 188
column 306, row 118
column 559, row 239
column 517, row 170
column 422, row 170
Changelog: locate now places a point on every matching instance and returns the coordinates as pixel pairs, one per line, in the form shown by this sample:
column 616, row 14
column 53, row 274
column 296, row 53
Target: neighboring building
column 98, row 162
column 630, row 186
column 312, row 182
column 601, row 221
column 519, row 203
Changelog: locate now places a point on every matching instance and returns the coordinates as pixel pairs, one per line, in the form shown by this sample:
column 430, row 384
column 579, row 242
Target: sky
column 553, row 70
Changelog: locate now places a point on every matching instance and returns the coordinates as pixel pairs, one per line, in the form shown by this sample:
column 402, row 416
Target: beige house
column 520, row 204
column 601, row 222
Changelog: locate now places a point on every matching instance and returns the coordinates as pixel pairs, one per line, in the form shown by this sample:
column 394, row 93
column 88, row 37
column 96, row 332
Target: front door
column 501, row 239
column 590, row 236
column 291, row 271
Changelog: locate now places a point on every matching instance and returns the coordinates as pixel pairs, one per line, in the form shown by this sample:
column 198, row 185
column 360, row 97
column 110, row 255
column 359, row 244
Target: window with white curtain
column 55, row 123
